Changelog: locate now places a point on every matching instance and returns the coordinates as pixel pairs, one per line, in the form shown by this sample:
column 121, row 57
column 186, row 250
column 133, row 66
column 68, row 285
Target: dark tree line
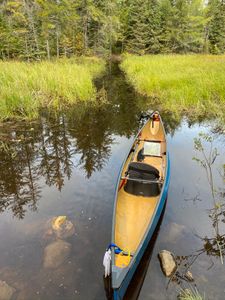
column 34, row 29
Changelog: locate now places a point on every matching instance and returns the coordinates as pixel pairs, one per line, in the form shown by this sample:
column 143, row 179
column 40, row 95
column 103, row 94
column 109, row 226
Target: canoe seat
column 145, row 172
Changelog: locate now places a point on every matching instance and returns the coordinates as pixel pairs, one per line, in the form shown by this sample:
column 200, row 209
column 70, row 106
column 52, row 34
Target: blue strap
column 117, row 250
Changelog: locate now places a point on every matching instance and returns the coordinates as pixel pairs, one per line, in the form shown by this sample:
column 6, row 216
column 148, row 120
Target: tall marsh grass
column 180, row 83
column 25, row 87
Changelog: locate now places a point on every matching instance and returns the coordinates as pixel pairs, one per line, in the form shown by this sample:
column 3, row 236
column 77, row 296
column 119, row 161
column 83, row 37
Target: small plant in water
column 7, row 149
column 213, row 246
column 188, row 294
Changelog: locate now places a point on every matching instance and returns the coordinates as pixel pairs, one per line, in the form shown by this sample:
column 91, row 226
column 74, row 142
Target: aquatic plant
column 26, row 87
column 214, row 246
column 191, row 84
column 188, row 294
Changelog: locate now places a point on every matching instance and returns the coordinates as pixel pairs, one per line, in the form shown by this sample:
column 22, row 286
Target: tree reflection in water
column 93, row 139
column 19, row 175
column 55, row 152
column 48, row 148
column 212, row 246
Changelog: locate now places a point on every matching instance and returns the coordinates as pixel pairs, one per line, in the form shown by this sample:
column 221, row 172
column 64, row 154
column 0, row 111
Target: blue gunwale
column 118, row 293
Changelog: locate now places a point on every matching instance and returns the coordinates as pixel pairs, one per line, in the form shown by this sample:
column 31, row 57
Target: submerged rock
column 56, row 253
column 59, row 227
column 62, row 227
column 6, row 291
column 168, row 262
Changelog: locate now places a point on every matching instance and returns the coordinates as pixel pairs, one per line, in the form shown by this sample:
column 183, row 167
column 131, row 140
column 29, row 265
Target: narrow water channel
column 67, row 165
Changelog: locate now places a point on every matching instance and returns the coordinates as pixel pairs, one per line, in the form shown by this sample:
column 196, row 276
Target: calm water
column 68, row 164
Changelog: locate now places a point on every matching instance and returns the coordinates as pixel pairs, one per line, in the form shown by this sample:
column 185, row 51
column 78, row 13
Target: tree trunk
column 27, row 50
column 48, row 49
column 57, row 43
column 31, row 24
column 85, row 28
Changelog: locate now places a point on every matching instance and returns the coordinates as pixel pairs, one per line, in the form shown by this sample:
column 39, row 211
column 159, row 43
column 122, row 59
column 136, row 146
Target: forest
column 43, row 29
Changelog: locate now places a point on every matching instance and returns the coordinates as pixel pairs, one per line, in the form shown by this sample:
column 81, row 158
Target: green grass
column 179, row 83
column 26, row 87
column 188, row 294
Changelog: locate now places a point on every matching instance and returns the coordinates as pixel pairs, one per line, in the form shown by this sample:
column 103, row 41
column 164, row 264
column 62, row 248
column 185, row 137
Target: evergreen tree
column 154, row 27
column 197, row 25
column 103, row 26
column 36, row 29
column 137, row 35
column 216, row 26
column 180, row 29
column 182, row 26
column 165, row 38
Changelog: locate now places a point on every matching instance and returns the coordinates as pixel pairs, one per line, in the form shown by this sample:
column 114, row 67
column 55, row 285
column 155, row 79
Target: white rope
column 107, row 262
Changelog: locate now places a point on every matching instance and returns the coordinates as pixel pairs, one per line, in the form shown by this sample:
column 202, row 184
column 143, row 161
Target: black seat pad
column 145, row 172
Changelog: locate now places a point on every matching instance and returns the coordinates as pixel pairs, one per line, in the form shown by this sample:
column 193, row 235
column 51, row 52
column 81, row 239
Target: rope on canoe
column 108, row 257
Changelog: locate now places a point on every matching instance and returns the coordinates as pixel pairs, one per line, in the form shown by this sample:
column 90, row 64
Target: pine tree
column 137, row 35
column 182, row 26
column 216, row 26
column 197, row 24
column 36, row 29
column 154, row 27
column 104, row 26
column 165, row 38
column 180, row 30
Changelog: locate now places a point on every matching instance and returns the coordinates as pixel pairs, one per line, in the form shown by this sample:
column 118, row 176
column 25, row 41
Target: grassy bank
column 179, row 83
column 26, row 87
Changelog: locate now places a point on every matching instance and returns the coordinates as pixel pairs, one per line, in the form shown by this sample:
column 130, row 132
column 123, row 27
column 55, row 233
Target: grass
column 179, row 83
column 188, row 294
column 26, row 87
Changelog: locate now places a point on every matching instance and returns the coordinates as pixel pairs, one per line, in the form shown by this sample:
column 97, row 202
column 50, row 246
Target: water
column 67, row 164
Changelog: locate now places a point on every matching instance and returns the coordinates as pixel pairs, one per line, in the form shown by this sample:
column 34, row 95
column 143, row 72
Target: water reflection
column 93, row 139
column 75, row 152
column 18, row 176
column 55, row 152
column 214, row 246
column 50, row 149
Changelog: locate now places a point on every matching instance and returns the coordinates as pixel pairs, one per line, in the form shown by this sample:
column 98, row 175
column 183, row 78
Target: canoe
column 140, row 197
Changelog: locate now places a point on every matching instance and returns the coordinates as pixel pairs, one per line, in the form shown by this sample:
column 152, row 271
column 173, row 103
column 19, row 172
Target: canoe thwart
column 142, row 180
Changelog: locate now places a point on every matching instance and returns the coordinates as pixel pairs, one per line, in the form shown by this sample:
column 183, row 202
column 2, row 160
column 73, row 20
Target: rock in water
column 56, row 253
column 168, row 262
column 58, row 221
column 62, row 227
column 6, row 291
